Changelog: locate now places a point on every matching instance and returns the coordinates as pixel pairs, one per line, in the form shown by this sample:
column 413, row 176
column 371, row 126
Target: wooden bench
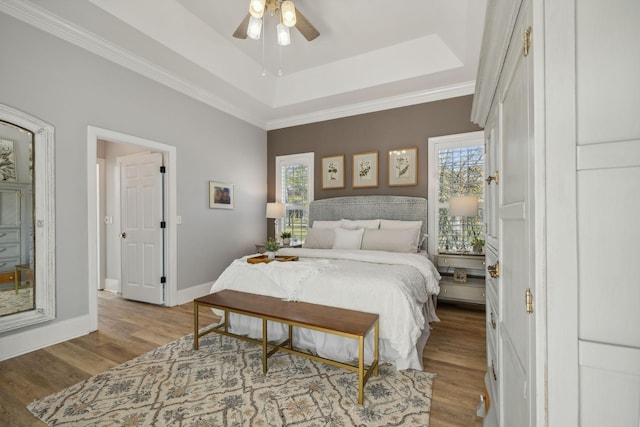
column 337, row 321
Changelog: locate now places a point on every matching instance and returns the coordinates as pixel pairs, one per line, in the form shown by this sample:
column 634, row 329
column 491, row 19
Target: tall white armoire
column 558, row 93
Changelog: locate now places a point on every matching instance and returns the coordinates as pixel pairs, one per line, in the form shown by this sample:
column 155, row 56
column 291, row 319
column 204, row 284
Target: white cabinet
column 556, row 93
column 10, row 229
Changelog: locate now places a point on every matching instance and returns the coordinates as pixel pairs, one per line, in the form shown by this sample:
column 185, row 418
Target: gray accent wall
column 72, row 88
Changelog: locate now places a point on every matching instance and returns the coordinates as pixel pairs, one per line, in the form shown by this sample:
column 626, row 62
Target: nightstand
column 473, row 290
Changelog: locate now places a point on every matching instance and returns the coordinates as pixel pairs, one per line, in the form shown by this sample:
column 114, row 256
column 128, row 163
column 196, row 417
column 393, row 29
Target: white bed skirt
column 335, row 347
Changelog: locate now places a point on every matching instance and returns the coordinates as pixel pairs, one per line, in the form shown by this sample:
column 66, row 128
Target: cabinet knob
column 494, row 270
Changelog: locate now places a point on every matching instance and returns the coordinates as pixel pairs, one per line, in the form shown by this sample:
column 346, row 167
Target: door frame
column 93, row 135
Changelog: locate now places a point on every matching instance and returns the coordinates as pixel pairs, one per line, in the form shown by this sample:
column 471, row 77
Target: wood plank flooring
column 455, row 351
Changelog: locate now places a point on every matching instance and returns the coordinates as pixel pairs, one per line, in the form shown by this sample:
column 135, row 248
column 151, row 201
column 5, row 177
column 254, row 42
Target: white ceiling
column 370, row 55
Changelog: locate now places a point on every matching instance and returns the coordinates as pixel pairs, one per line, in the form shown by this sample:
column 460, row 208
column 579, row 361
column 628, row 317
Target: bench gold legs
column 287, row 345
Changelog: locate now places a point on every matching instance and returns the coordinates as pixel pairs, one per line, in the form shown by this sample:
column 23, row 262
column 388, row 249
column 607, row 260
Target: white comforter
column 394, row 285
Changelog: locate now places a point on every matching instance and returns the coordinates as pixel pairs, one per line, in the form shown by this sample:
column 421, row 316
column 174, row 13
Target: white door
column 516, row 346
column 142, row 235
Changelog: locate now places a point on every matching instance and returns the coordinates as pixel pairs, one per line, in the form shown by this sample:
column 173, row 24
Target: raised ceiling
column 371, row 54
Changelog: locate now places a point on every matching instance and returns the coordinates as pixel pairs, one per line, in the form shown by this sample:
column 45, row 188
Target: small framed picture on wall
column 333, row 172
column 365, row 170
column 221, row 195
column 403, row 167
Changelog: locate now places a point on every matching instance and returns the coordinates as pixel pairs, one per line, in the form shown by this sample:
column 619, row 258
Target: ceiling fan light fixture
column 288, row 13
column 256, row 8
column 255, row 28
column 284, row 37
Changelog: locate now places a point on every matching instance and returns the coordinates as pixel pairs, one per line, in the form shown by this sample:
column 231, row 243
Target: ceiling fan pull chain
column 264, row 69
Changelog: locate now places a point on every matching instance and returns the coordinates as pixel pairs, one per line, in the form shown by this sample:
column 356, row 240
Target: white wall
column 71, row 88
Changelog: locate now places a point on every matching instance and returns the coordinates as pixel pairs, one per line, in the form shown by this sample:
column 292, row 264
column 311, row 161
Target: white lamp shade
column 288, row 13
column 284, row 38
column 275, row 210
column 255, row 28
column 256, row 8
column 463, row 206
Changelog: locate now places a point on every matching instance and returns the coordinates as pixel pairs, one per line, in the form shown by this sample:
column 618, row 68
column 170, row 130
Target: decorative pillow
column 347, row 239
column 391, row 240
column 319, row 238
column 326, row 224
column 393, row 223
column 360, row 223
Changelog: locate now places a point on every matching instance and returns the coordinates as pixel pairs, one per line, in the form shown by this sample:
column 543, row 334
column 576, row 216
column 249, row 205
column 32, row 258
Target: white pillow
column 391, row 240
column 393, row 223
column 319, row 238
column 326, row 224
column 360, row 223
column 347, row 239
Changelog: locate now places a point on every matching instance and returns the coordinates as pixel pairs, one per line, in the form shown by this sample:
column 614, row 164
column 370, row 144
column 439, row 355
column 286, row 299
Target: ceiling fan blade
column 241, row 31
column 305, row 27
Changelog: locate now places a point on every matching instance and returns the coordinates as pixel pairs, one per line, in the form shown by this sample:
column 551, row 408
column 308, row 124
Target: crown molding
column 59, row 27
column 445, row 92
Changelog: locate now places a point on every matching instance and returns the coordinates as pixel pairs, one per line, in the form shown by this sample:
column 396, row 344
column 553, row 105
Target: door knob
column 124, row 235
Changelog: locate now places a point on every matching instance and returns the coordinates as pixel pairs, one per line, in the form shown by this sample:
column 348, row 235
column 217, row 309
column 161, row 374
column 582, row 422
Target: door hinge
column 163, row 279
column 163, row 169
column 527, row 42
column 528, row 297
column 163, row 224
column 492, row 178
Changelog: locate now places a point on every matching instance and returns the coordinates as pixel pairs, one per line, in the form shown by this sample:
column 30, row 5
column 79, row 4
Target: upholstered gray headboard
column 370, row 207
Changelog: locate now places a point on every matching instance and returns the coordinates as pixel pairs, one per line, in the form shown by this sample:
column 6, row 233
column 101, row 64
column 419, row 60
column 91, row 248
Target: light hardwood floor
column 455, row 351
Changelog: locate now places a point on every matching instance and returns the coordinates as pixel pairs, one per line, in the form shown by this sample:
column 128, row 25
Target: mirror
column 27, row 277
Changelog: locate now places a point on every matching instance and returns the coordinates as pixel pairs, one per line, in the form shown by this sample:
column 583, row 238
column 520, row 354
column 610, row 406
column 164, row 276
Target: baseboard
column 44, row 336
column 189, row 294
column 111, row 285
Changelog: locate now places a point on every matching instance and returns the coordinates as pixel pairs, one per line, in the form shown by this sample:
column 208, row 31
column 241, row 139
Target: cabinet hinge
column 163, row 279
column 163, row 169
column 527, row 42
column 492, row 178
column 528, row 297
column 163, row 224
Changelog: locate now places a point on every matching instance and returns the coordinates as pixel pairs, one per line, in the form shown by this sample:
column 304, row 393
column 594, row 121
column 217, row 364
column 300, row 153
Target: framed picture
column 333, row 172
column 459, row 276
column 221, row 195
column 403, row 167
column 7, row 161
column 365, row 170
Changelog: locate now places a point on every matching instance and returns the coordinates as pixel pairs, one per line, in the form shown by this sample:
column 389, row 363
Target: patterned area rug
column 222, row 384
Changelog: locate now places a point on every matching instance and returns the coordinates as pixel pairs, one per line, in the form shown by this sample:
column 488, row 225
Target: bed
column 361, row 253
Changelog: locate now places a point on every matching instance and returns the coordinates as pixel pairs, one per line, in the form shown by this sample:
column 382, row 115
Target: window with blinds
column 460, row 199
column 456, row 194
column 294, row 188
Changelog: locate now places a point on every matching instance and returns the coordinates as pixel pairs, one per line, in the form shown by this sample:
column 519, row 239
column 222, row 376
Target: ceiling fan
column 287, row 14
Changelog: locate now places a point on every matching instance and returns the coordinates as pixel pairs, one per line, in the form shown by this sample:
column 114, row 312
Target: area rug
column 222, row 384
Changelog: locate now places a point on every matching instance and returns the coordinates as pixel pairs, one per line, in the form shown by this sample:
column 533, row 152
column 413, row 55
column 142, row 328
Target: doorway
column 94, row 135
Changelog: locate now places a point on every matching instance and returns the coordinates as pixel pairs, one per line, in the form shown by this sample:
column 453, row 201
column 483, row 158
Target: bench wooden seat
column 333, row 320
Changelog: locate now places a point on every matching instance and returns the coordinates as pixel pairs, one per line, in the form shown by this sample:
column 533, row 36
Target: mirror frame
column 43, row 217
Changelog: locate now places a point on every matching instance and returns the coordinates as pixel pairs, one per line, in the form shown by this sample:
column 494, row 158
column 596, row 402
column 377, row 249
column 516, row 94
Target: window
column 294, row 188
column 456, row 199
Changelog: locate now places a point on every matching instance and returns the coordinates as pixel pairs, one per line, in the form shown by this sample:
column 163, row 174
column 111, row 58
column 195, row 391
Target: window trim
column 288, row 159
column 434, row 146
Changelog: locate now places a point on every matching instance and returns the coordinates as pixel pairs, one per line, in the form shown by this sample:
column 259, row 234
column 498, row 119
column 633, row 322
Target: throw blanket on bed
column 394, row 285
